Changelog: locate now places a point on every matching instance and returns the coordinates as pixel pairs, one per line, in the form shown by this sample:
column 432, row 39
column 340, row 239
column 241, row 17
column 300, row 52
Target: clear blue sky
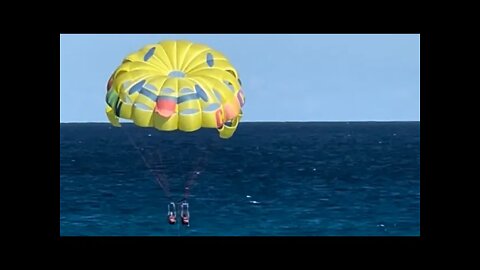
column 285, row 77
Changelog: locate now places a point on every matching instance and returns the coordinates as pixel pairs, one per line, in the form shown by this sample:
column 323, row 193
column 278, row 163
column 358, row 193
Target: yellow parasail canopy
column 176, row 85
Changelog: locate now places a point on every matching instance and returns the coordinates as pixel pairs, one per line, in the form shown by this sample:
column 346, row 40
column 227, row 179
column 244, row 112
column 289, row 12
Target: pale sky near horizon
column 285, row 77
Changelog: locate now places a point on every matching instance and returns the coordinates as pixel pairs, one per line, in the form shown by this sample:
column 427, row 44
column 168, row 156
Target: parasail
column 176, row 85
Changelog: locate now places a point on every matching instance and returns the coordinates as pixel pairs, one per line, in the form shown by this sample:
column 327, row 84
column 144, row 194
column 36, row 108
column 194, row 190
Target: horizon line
column 267, row 121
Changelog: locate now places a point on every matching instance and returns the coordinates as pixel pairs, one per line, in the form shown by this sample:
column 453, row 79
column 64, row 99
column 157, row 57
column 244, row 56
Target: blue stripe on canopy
column 149, row 94
column 137, row 87
column 149, row 54
column 185, row 98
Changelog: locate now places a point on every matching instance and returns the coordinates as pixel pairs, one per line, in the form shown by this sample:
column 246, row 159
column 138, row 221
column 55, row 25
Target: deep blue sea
column 269, row 179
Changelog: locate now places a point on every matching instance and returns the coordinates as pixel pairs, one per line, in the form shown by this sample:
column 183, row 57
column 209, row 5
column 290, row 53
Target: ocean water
column 269, row 179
